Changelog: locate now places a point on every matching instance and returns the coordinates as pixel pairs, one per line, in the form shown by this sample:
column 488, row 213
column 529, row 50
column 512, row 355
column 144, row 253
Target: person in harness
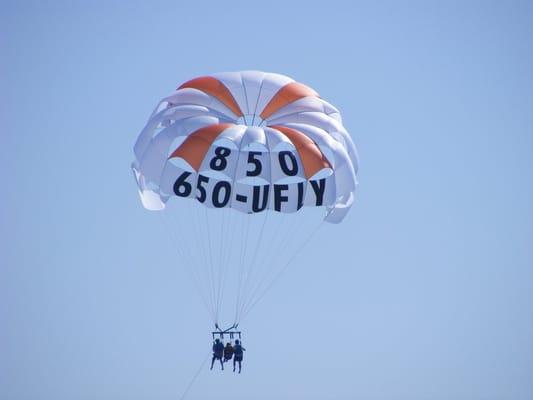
column 218, row 351
column 228, row 352
column 238, row 351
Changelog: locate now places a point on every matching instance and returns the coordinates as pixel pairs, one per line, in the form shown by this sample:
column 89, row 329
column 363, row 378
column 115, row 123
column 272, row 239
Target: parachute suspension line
column 270, row 253
column 226, row 224
column 298, row 230
column 240, row 275
column 217, row 230
column 252, row 264
column 211, row 267
column 222, row 256
column 189, row 262
column 195, row 376
column 280, row 273
column 239, row 268
column 244, row 270
column 186, row 259
column 220, row 243
column 198, row 243
column 243, row 243
column 287, row 243
column 200, row 238
column 271, row 246
column 228, row 249
column 250, row 269
column 280, row 240
column 274, row 257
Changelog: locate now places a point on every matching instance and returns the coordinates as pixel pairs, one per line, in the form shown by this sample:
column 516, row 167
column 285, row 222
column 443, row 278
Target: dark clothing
column 228, row 352
column 218, row 350
column 217, row 358
column 238, row 352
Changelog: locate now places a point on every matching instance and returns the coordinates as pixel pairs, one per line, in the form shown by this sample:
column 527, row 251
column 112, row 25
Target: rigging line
column 245, row 222
column 272, row 277
column 281, row 241
column 228, row 250
column 250, row 269
column 195, row 376
column 183, row 256
column 232, row 248
column 244, row 244
column 198, row 244
column 273, row 243
column 269, row 269
column 284, row 268
column 223, row 251
column 186, row 242
column 268, row 145
column 190, row 273
column 291, row 233
column 213, row 233
column 199, row 268
column 227, row 253
column 254, row 258
column 280, row 273
column 290, row 241
column 201, row 239
column 285, row 251
column 176, row 241
column 246, row 238
column 279, row 236
column 208, row 229
column 220, row 241
column 275, row 235
column 239, row 260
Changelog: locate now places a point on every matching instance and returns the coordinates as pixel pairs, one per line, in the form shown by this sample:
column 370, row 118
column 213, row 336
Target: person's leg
column 234, row 365
column 212, row 361
column 221, row 364
column 240, row 366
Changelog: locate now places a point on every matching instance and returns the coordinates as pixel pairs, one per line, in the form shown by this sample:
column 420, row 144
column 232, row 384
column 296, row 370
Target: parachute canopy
column 251, row 141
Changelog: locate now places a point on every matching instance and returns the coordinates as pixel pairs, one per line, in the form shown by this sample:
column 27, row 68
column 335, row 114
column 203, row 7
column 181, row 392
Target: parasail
column 242, row 155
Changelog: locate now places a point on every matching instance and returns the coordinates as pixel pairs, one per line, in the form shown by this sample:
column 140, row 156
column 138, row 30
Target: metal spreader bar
column 231, row 332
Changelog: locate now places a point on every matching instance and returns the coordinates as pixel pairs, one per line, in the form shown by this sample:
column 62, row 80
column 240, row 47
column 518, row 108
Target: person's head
column 237, row 341
column 217, row 340
column 228, row 344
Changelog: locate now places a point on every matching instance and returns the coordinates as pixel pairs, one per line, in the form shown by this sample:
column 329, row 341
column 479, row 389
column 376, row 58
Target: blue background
column 424, row 292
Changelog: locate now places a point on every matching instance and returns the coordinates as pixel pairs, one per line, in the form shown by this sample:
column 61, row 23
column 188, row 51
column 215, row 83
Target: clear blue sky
column 424, row 292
